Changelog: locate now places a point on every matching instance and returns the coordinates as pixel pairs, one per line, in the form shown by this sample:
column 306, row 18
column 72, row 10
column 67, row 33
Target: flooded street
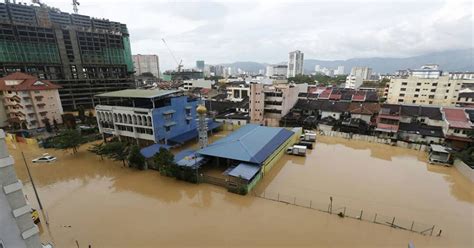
column 98, row 202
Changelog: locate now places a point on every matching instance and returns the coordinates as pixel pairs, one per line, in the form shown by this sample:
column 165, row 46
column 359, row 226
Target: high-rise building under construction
column 84, row 55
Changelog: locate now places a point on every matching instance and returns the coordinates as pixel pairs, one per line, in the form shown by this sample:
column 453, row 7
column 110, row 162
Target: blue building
column 148, row 116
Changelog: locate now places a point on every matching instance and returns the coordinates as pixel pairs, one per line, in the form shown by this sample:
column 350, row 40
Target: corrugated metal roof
column 150, row 151
column 137, row 93
column 244, row 170
column 191, row 134
column 250, row 143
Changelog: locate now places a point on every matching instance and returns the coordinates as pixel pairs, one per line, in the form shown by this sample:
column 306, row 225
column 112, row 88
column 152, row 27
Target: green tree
column 69, row 139
column 164, row 159
column 467, row 156
column 97, row 149
column 117, row 151
column 135, row 158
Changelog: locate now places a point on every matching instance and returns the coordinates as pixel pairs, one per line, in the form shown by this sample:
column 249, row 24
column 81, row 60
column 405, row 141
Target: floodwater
column 98, row 202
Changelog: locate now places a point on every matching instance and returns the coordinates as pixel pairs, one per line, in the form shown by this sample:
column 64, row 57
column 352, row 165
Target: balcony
column 387, row 127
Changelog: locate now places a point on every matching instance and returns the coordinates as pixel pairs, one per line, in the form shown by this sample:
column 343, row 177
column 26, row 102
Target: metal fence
column 347, row 212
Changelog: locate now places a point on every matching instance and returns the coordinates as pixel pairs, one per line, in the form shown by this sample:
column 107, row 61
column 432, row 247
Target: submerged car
column 46, row 158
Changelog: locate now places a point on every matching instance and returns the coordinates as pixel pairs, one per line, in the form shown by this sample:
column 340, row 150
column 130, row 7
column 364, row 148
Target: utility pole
column 32, row 182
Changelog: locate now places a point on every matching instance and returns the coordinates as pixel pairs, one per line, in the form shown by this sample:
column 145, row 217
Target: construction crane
column 180, row 63
column 75, row 4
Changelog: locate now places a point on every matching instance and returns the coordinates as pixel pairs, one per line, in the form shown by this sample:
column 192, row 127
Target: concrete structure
column 146, row 63
column 29, row 102
column 200, row 65
column 84, row 55
column 149, row 116
column 269, row 103
column 427, row 86
column 339, row 71
column 276, row 70
column 464, row 169
column 16, row 225
column 295, row 63
column 197, row 83
column 357, row 77
column 457, row 126
column 237, row 93
column 466, row 98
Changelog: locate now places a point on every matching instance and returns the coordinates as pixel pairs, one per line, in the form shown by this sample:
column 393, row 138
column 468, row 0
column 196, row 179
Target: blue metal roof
column 244, row 170
column 150, row 151
column 189, row 135
column 182, row 154
column 250, row 143
column 193, row 161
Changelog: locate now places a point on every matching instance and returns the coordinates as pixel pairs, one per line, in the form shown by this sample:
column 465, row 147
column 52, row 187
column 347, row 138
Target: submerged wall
column 464, row 169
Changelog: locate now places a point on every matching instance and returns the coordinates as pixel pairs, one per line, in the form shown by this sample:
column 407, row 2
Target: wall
column 278, row 153
column 335, row 115
column 464, row 169
column 178, row 104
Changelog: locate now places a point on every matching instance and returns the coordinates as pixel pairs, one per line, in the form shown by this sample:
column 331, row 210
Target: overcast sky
column 265, row 31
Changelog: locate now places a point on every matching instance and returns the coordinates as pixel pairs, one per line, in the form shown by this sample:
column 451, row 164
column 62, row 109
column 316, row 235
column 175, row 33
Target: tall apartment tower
column 146, row 63
column 295, row 63
column 84, row 55
column 200, row 64
column 16, row 228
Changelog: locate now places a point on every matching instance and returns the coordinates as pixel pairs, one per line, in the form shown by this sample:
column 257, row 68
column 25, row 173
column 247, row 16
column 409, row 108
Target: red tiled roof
column 28, row 83
column 364, row 108
column 325, row 94
column 457, row 118
column 359, row 96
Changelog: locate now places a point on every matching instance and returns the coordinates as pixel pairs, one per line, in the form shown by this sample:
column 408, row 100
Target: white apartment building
column 237, row 93
column 295, row 63
column 146, row 63
column 269, row 103
column 357, row 77
column 428, row 86
column 276, row 70
column 339, row 71
column 197, row 83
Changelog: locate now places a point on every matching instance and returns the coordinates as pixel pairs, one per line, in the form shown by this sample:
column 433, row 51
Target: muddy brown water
column 98, row 202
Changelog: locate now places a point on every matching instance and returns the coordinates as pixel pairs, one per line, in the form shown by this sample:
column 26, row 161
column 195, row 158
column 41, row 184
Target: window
column 430, row 102
column 445, row 97
column 403, row 89
column 400, row 100
column 404, row 83
column 431, row 96
column 433, row 90
column 435, row 84
column 188, row 121
column 417, row 90
column 37, row 91
column 414, row 101
column 457, row 131
column 416, row 95
column 447, row 91
column 167, row 129
column 401, row 95
column 418, row 84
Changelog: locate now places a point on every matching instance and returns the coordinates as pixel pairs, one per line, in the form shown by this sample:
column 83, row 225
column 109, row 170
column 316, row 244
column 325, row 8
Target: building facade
column 197, row 83
column 84, row 55
column 269, row 103
column 237, row 93
column 29, row 102
column 295, row 63
column 200, row 65
column 276, row 70
column 146, row 63
column 17, row 228
column 427, row 86
column 357, row 77
column 147, row 116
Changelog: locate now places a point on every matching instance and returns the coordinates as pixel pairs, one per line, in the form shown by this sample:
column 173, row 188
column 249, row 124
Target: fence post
column 361, row 212
column 393, row 221
column 412, row 223
column 278, row 196
column 294, row 201
column 310, row 203
column 375, row 218
column 344, row 211
column 432, row 229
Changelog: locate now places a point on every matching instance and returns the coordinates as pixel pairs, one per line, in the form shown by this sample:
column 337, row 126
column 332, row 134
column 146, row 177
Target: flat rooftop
column 138, row 93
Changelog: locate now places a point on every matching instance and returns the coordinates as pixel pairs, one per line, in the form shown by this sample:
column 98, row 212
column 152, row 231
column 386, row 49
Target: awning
column 189, row 135
column 245, row 171
column 150, row 151
column 438, row 148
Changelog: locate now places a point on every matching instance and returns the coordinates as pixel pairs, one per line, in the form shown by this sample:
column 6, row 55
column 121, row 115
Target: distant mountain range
column 454, row 60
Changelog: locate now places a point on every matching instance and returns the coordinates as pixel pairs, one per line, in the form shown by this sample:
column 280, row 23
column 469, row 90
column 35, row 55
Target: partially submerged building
column 148, row 116
column 244, row 155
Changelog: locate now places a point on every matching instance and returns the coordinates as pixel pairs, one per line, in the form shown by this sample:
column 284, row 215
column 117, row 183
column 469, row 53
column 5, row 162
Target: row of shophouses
column 412, row 123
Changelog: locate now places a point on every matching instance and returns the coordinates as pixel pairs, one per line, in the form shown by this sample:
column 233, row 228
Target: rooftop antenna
column 75, row 3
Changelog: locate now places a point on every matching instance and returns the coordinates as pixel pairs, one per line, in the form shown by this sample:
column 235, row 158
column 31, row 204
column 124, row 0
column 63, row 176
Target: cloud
column 265, row 31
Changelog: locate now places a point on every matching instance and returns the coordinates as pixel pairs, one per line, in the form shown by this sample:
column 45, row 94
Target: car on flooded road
column 46, row 158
